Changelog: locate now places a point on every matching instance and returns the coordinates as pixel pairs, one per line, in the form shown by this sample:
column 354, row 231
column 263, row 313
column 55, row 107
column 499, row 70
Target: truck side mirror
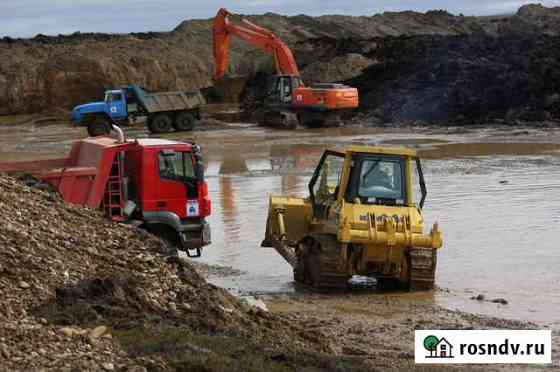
column 199, row 167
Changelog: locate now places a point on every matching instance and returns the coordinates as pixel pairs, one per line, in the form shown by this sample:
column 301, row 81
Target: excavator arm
column 256, row 36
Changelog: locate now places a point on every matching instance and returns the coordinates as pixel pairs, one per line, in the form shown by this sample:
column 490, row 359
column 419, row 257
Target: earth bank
column 408, row 66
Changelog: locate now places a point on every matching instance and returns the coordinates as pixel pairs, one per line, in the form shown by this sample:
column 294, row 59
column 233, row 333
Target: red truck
column 156, row 184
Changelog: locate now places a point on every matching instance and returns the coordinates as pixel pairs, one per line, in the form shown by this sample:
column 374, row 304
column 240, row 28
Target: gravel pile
column 69, row 279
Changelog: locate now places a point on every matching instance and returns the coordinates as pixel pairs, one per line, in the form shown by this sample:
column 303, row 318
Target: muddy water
column 495, row 193
column 496, row 199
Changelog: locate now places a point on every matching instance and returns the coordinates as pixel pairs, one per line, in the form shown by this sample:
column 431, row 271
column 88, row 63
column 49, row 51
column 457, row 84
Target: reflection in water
column 289, row 184
column 229, row 209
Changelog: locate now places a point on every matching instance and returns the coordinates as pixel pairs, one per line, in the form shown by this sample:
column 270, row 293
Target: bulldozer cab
column 367, row 176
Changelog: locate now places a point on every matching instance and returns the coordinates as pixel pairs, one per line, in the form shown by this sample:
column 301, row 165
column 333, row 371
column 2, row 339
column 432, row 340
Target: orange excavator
column 288, row 102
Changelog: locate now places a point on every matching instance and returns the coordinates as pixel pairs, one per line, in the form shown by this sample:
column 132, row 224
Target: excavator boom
column 257, row 36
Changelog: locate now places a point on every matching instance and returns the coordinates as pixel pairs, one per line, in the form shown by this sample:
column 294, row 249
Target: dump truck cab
column 362, row 217
column 116, row 104
column 166, row 179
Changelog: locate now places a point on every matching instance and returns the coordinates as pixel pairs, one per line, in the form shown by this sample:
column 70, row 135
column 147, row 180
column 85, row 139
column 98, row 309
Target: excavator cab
column 280, row 89
column 363, row 217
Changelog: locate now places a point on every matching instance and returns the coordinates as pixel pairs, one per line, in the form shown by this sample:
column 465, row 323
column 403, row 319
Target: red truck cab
column 165, row 181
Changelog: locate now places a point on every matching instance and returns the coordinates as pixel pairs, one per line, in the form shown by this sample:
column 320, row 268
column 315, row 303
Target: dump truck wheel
column 321, row 264
column 423, row 262
column 98, row 127
column 184, row 121
column 160, row 123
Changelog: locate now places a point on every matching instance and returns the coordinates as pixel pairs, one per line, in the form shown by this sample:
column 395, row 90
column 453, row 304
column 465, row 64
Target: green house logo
column 438, row 347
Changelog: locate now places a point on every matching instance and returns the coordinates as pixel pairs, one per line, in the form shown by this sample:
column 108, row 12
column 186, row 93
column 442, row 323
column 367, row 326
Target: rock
column 256, row 303
column 4, row 350
column 353, row 351
column 67, row 331
column 480, row 297
column 108, row 366
column 172, row 306
column 137, row 369
column 197, row 349
column 24, row 285
column 97, row 332
column 500, row 301
column 226, row 310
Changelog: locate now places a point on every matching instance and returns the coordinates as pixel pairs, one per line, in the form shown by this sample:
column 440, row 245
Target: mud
column 380, row 328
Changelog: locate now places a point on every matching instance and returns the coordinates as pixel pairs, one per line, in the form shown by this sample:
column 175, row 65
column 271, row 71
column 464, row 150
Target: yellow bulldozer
column 361, row 217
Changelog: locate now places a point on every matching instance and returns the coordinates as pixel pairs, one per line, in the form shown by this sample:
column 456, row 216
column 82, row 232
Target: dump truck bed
column 81, row 178
column 169, row 101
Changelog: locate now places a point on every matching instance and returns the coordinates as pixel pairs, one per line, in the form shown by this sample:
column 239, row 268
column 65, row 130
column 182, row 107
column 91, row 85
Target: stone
column 24, row 285
column 137, row 369
column 108, row 366
column 97, row 332
column 256, row 303
column 67, row 331
column 500, row 301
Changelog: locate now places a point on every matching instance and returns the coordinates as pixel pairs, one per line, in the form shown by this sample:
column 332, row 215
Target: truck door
column 177, row 191
column 116, row 103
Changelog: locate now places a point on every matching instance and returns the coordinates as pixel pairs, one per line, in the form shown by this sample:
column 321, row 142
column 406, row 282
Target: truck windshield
column 113, row 97
column 381, row 182
column 176, row 166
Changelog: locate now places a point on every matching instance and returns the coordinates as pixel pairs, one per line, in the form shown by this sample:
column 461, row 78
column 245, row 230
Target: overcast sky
column 25, row 18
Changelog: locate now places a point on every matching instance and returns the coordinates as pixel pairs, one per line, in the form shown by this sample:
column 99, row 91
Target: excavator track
column 318, row 263
column 423, row 263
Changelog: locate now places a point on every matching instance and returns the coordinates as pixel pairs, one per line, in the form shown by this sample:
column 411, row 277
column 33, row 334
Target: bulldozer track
column 422, row 268
column 318, row 263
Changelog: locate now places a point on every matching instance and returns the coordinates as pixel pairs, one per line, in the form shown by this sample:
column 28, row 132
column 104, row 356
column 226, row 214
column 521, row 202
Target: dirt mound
column 70, row 281
column 62, row 71
column 464, row 79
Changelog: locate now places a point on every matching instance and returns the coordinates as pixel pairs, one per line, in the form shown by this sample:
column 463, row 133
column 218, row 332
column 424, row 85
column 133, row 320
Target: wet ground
column 495, row 193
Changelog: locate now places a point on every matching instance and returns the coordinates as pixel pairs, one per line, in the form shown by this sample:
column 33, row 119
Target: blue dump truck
column 164, row 111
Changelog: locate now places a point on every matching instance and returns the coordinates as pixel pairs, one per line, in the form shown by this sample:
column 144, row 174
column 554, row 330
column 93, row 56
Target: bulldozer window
column 328, row 179
column 381, row 181
column 176, row 166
